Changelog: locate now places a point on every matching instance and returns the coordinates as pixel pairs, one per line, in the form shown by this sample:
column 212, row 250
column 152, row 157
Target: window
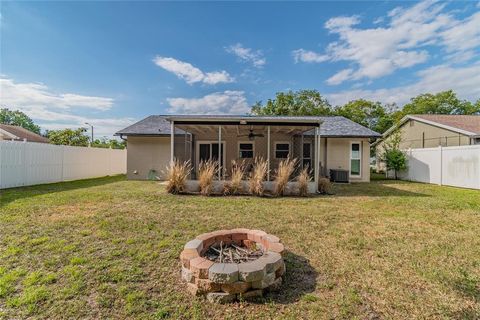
column 245, row 150
column 282, row 150
column 307, row 155
column 355, row 159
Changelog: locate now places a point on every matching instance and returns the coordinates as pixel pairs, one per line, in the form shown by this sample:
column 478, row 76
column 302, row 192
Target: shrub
column 303, row 179
column 206, row 174
column 324, row 185
column 282, row 176
column 234, row 186
column 177, row 174
column 257, row 177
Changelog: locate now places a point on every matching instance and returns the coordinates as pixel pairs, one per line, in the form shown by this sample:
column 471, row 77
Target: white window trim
column 243, row 142
column 282, row 142
column 197, row 151
column 350, row 159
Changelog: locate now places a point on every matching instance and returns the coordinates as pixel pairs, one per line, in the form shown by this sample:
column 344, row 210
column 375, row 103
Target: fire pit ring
column 225, row 281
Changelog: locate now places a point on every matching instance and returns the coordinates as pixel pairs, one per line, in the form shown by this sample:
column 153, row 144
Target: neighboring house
column 17, row 133
column 432, row 130
column 343, row 144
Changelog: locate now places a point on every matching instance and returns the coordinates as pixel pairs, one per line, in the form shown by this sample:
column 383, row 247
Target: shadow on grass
column 468, row 313
column 381, row 188
column 299, row 280
column 13, row 194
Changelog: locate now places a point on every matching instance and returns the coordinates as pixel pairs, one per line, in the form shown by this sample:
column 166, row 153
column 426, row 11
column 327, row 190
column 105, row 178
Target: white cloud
column 341, row 23
column 227, row 102
column 463, row 36
column 465, row 81
column 15, row 94
column 340, row 76
column 402, row 43
column 247, row 54
column 53, row 110
column 301, row 55
column 191, row 74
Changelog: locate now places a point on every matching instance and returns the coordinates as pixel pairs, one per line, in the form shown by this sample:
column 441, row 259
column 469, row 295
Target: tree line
column 371, row 114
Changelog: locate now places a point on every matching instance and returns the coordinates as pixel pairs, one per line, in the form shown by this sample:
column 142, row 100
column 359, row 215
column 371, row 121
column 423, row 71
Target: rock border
column 228, row 282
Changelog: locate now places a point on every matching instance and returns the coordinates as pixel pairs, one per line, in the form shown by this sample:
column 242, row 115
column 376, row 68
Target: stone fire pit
column 261, row 269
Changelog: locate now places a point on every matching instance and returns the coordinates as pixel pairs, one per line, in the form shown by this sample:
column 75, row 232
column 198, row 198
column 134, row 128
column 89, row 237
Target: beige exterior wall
column 146, row 153
column 416, row 134
column 337, row 153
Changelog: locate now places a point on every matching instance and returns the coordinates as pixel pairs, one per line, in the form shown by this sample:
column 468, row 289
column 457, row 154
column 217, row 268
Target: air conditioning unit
column 337, row 175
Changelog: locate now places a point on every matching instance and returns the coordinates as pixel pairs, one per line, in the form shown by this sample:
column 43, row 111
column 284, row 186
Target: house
column 432, row 130
column 337, row 142
column 17, row 133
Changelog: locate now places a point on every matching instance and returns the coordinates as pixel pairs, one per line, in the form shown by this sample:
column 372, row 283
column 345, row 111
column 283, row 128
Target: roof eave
column 246, row 120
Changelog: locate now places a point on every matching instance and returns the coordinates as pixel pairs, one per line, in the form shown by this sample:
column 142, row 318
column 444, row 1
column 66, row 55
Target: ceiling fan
column 251, row 135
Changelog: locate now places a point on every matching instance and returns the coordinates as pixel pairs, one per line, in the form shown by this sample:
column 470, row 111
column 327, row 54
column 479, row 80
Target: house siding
column 416, row 135
column 147, row 153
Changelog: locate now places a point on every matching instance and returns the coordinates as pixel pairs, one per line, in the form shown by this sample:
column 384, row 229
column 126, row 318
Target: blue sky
column 112, row 63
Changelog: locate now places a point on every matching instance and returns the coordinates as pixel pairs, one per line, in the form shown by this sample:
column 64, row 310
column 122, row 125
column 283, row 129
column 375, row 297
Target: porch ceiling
column 242, row 129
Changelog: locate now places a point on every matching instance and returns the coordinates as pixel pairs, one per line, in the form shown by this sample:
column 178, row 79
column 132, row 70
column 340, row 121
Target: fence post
column 441, row 164
column 63, row 160
column 24, row 164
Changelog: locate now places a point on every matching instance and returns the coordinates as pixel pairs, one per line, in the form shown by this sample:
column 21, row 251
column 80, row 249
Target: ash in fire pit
column 227, row 265
column 231, row 253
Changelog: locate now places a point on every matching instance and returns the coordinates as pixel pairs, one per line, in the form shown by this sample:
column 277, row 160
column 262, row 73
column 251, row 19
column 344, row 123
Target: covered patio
column 225, row 139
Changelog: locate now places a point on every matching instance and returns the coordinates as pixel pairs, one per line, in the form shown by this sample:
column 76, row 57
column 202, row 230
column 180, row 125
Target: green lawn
column 108, row 248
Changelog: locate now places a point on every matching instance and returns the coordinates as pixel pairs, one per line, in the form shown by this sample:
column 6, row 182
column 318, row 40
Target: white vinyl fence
column 451, row 166
column 29, row 163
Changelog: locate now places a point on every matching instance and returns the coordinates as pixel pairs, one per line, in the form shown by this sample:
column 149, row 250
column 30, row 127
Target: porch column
column 316, row 166
column 319, row 153
column 301, row 152
column 220, row 153
column 268, row 153
column 172, row 140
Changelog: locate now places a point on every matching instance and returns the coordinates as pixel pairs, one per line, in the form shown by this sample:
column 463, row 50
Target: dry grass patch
column 235, row 185
column 177, row 174
column 282, row 175
column 383, row 250
column 206, row 173
column 257, row 177
column 303, row 179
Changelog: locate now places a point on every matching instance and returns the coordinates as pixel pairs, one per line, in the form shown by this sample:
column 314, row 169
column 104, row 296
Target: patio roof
column 244, row 120
column 330, row 126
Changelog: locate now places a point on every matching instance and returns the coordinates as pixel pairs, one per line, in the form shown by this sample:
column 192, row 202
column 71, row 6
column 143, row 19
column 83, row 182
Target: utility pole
column 91, row 126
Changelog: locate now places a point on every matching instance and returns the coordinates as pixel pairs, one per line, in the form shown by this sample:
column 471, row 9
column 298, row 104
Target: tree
column 69, row 137
column 394, row 158
column 108, row 143
column 445, row 102
column 370, row 114
column 299, row 103
column 18, row 118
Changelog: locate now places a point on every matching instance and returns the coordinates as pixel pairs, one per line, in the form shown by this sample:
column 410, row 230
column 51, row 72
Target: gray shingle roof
column 151, row 125
column 334, row 126
column 338, row 126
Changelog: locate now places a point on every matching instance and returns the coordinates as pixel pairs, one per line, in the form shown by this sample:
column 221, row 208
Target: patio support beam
column 172, row 140
column 315, row 171
column 220, row 153
column 268, row 153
